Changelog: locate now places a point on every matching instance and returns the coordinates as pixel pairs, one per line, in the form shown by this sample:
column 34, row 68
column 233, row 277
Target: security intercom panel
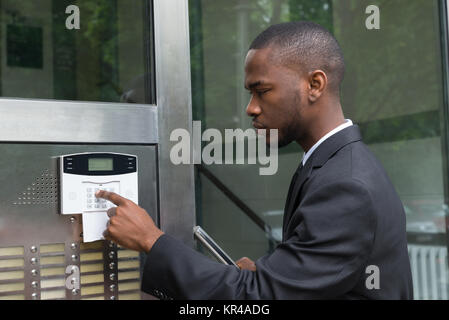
column 47, row 255
column 82, row 174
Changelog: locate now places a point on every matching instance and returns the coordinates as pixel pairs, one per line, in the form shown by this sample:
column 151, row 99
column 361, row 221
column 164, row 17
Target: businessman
column 342, row 218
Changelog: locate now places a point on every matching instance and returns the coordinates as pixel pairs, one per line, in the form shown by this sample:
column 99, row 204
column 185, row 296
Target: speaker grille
column 42, row 191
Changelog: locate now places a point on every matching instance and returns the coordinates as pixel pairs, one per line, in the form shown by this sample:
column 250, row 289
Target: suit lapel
column 292, row 198
column 318, row 158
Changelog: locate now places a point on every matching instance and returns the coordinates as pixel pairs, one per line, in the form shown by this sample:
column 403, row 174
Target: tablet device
column 212, row 246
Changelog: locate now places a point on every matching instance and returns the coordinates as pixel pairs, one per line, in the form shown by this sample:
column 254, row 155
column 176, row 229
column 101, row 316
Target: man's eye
column 261, row 92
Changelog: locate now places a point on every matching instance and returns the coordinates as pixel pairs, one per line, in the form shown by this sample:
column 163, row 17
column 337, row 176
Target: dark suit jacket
column 342, row 215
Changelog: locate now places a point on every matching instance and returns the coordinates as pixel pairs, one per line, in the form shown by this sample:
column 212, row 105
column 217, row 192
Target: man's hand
column 246, row 264
column 129, row 225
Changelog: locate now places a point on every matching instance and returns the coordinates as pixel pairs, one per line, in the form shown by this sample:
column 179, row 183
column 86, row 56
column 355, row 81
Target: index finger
column 111, row 196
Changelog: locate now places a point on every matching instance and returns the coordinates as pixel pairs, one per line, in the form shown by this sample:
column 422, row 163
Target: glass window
column 108, row 59
column 393, row 89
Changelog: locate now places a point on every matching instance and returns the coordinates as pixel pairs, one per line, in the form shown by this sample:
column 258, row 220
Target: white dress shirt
column 323, row 138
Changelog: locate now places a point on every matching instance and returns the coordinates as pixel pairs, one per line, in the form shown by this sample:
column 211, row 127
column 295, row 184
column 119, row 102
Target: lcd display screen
column 100, row 164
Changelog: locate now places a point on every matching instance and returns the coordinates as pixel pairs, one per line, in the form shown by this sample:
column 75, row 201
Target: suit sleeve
column 333, row 238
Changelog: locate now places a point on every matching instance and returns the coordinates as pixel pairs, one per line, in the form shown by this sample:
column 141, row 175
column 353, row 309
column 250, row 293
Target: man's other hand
column 246, row 264
column 129, row 225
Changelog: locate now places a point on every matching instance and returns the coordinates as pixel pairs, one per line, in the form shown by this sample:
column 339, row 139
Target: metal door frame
column 174, row 98
column 56, row 121
column 444, row 38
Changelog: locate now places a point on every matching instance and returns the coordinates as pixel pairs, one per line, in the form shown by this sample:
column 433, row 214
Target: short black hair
column 307, row 45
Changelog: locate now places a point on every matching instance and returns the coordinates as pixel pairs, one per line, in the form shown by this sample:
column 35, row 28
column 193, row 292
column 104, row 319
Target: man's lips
column 258, row 125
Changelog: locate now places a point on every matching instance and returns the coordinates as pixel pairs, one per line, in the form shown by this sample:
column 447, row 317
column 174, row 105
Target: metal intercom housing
column 37, row 240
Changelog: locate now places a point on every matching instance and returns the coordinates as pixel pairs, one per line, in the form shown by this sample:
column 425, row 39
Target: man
column 344, row 225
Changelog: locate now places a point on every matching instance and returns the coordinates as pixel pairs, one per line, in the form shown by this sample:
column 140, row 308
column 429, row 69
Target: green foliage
column 319, row 11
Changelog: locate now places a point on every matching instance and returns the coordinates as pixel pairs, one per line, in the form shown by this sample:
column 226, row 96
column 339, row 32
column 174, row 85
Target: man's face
column 275, row 96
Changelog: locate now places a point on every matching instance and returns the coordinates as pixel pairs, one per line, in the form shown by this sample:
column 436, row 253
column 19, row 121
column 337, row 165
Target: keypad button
column 93, row 203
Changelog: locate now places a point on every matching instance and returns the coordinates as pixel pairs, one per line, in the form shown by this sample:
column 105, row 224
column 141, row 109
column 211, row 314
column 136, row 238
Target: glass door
column 395, row 89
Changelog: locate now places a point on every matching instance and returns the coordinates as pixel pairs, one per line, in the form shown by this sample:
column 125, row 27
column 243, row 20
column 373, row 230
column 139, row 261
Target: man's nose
column 253, row 108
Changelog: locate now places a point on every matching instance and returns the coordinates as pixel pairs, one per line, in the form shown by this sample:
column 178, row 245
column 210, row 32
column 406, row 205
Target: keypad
column 94, row 203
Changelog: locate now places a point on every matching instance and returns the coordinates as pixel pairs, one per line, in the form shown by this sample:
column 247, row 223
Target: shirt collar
column 307, row 155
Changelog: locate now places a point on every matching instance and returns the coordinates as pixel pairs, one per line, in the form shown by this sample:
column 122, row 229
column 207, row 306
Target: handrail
column 251, row 214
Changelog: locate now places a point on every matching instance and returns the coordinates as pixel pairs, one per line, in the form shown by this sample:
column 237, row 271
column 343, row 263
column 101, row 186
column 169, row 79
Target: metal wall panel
column 77, row 122
column 30, row 219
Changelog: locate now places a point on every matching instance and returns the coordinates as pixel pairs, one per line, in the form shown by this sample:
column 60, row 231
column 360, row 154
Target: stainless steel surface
column 72, row 278
column 30, row 224
column 109, row 281
column 84, row 122
column 27, row 120
column 23, row 166
column 30, row 276
column 173, row 92
column 48, row 128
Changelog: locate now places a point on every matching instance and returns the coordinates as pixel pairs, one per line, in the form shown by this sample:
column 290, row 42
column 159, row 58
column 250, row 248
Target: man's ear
column 317, row 84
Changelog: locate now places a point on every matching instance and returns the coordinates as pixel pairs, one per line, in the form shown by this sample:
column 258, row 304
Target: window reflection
column 108, row 59
column 401, row 120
